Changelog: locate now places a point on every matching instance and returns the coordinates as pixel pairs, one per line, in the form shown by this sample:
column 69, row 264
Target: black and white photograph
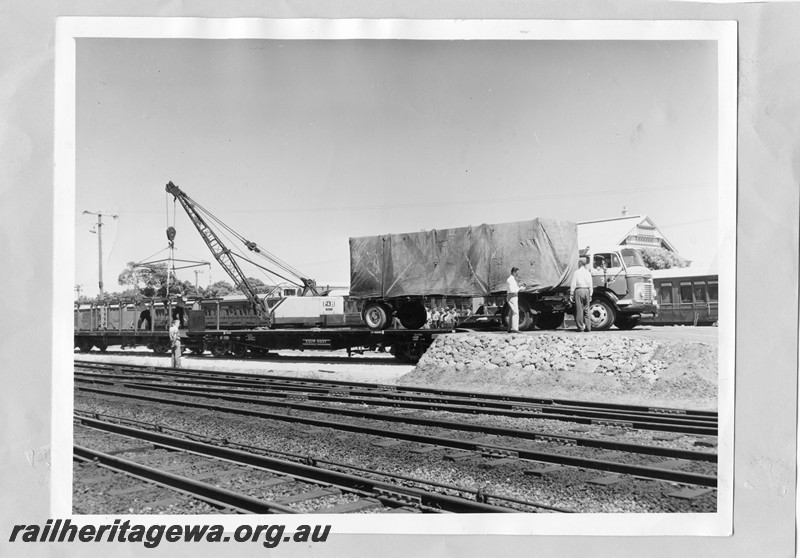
column 345, row 281
column 361, row 268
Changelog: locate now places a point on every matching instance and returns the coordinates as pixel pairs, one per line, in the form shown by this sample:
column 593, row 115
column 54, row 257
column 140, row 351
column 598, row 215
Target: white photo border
column 71, row 29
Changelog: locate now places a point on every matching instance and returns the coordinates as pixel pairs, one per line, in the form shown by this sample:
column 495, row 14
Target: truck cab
column 623, row 287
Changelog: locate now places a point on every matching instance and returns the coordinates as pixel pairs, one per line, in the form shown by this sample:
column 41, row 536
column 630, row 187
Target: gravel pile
column 595, row 366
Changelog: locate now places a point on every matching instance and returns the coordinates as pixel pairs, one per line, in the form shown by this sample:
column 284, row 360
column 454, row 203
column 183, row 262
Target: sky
column 299, row 145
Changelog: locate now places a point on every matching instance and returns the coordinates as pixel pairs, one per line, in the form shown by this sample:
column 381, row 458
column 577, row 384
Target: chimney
column 624, row 211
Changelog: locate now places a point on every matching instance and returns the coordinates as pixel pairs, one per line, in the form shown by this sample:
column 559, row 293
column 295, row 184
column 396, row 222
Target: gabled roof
column 619, row 231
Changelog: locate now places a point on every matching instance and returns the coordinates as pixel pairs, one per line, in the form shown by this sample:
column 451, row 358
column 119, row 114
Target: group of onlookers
column 444, row 318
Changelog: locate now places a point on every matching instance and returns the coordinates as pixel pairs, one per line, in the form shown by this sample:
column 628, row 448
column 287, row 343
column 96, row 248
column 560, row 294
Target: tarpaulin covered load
column 465, row 261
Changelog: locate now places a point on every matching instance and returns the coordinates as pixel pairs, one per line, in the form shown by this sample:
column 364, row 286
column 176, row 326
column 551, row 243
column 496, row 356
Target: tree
column 661, row 258
column 147, row 279
column 258, row 285
column 219, row 289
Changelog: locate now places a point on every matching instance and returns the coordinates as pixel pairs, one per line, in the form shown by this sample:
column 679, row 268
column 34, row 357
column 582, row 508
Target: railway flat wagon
column 685, row 297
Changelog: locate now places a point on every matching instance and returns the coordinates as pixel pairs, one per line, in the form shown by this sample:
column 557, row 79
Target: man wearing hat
column 580, row 291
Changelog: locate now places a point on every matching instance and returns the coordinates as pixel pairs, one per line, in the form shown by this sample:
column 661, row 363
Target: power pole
column 99, row 243
column 196, row 273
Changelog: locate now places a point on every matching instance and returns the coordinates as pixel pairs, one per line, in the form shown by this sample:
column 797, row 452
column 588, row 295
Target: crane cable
column 260, row 251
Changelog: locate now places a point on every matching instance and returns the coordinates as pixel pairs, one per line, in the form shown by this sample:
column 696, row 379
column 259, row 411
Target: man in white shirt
column 580, row 291
column 512, row 298
column 175, row 343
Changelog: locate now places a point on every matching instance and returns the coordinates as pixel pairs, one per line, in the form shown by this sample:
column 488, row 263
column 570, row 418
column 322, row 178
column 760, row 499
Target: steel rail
column 546, row 457
column 200, row 490
column 308, row 473
column 260, row 378
column 572, row 415
column 645, row 420
column 437, row 423
column 305, row 458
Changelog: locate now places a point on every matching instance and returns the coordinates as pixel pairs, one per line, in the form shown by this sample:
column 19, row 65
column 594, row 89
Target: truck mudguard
column 467, row 261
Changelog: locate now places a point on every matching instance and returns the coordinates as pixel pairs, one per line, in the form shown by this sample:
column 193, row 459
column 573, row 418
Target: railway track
column 703, row 423
column 249, row 395
column 292, row 483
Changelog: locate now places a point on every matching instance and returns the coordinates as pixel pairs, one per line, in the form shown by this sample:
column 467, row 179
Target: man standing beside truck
column 580, row 291
column 512, row 298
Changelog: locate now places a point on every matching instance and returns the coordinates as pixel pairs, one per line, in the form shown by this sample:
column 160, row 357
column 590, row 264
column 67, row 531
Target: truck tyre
column 627, row 322
column 602, row 314
column 526, row 316
column 376, row 315
column 549, row 320
column 413, row 315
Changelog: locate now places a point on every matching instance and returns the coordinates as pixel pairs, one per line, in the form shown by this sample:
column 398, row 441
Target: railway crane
column 224, row 256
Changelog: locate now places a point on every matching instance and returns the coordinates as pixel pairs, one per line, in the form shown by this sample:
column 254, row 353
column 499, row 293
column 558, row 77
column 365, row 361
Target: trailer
column 397, row 274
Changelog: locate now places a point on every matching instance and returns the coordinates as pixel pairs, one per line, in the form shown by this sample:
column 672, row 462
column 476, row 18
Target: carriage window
column 700, row 292
column 686, row 292
column 713, row 294
column 666, row 293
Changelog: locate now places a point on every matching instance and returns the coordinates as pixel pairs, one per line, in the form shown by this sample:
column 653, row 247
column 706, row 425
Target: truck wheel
column 413, row 315
column 602, row 314
column 549, row 320
column 376, row 315
column 626, row 322
column 526, row 315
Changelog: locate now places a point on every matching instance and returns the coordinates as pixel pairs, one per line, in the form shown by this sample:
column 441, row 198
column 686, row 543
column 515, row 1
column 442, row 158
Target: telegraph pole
column 196, row 273
column 99, row 243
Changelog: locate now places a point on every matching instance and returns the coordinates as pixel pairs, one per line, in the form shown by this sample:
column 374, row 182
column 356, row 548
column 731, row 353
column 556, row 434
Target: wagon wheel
column 219, row 348
column 238, row 350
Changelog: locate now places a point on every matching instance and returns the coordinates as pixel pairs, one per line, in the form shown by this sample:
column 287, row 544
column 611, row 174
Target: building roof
column 635, row 230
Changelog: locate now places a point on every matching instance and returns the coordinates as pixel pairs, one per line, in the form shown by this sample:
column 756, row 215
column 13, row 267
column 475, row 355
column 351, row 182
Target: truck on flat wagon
column 396, row 275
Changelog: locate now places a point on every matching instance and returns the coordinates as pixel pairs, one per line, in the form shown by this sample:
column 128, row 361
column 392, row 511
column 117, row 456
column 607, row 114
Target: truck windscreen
column 631, row 257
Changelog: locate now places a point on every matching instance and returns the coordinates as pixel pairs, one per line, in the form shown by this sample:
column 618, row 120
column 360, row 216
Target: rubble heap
column 596, row 366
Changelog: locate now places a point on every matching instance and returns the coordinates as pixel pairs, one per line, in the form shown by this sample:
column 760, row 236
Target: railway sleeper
column 399, row 497
column 495, row 452
column 558, row 439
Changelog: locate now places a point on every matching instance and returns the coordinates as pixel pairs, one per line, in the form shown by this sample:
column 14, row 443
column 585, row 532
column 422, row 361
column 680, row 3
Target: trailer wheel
column 219, row 348
column 413, row 315
column 549, row 320
column 526, row 315
column 376, row 315
column 602, row 314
